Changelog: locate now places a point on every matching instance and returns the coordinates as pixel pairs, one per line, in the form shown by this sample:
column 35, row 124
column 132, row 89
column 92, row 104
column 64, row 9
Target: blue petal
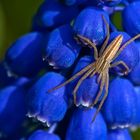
column 22, row 82
column 130, row 54
column 72, row 2
column 47, row 107
column 120, row 107
column 109, row 3
column 119, row 134
column 89, row 88
column 12, row 109
column 132, row 0
column 81, row 126
column 43, row 135
column 134, row 75
column 24, row 57
column 62, row 50
column 5, row 79
column 90, row 24
column 131, row 18
column 137, row 114
column 52, row 14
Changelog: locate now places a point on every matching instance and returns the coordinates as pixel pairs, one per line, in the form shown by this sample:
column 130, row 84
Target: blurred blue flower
column 131, row 18
column 12, row 109
column 110, row 3
column 72, row 2
column 82, row 128
column 137, row 114
column 43, row 135
column 134, row 75
column 52, row 14
column 24, row 57
column 119, row 134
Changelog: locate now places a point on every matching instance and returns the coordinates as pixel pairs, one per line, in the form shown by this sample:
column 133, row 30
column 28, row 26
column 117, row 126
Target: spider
column 103, row 62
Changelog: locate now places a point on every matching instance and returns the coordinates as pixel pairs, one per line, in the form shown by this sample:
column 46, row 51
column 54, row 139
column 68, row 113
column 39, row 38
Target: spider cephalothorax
column 103, row 62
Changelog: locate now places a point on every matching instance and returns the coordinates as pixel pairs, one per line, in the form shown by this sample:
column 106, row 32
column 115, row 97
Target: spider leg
column 73, row 77
column 99, row 78
column 104, row 98
column 123, row 64
column 93, row 73
column 125, row 45
column 86, row 40
column 103, row 78
column 79, row 83
column 107, row 38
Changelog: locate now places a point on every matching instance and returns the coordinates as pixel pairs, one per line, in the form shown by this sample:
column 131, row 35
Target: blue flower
column 93, row 2
column 119, row 134
column 120, row 107
column 130, row 54
column 88, row 88
column 5, row 79
column 72, row 2
column 110, row 3
column 137, row 114
column 133, row 0
column 90, row 24
column 24, row 57
column 47, row 107
column 134, row 75
column 61, row 49
column 43, row 135
column 52, row 14
column 131, row 18
column 82, row 128
column 12, row 109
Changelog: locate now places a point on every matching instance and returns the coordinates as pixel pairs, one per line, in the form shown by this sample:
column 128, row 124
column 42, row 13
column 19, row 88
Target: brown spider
column 101, row 66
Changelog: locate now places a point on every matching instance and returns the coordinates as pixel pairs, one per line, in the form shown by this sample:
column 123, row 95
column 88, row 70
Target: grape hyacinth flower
column 119, row 134
column 88, row 89
column 12, row 104
column 134, row 75
column 102, row 102
column 130, row 20
column 80, row 126
column 52, row 14
column 121, row 112
column 92, row 28
column 109, row 3
column 18, row 57
column 43, row 135
column 130, row 55
column 61, row 49
column 137, row 116
column 47, row 108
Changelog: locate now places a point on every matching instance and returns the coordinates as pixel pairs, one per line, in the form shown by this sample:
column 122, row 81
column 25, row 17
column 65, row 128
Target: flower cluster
column 74, row 74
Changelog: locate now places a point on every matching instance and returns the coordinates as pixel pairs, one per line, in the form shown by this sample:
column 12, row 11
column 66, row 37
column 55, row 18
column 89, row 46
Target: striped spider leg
column 101, row 66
